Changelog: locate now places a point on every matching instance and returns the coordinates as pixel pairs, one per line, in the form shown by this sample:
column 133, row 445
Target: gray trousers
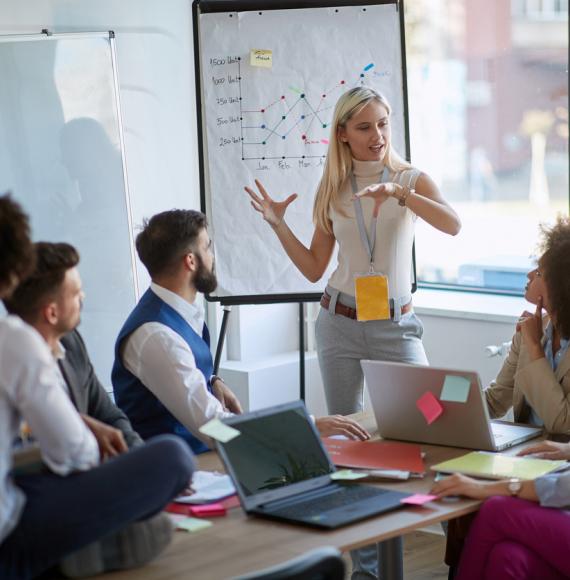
column 341, row 344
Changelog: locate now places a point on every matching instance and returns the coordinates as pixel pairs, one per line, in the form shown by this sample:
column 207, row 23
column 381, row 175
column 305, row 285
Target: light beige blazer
column 521, row 381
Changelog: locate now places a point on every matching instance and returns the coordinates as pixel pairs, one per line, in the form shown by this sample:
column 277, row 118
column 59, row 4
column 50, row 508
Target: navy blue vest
column 147, row 414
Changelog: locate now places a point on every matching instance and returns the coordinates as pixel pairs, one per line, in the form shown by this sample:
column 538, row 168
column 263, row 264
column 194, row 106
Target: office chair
column 320, row 564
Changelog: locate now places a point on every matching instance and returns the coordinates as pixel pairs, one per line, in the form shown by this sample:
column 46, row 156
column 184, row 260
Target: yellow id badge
column 372, row 303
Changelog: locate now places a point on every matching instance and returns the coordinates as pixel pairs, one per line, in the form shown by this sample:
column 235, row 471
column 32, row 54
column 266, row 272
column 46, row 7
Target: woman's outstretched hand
column 379, row 192
column 271, row 210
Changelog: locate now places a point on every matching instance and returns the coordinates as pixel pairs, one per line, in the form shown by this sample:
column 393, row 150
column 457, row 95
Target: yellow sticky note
column 192, row 524
column 347, row 474
column 262, row 58
column 219, row 431
column 371, row 293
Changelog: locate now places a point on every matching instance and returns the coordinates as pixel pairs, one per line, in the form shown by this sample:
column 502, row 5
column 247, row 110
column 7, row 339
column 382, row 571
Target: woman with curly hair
column 535, row 378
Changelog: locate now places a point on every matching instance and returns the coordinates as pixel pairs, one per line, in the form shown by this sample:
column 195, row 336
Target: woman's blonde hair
column 338, row 163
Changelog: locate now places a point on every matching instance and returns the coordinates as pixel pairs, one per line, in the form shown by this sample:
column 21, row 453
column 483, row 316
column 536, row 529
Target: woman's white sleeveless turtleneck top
column 394, row 232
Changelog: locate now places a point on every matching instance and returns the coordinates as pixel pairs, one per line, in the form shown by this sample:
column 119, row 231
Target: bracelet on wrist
column 402, row 198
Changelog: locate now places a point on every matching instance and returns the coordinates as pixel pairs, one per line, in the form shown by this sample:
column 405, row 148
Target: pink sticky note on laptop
column 418, row 499
column 430, row 407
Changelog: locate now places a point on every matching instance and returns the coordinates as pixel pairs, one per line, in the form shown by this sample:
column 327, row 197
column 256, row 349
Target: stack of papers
column 386, row 459
column 497, row 466
column 208, row 486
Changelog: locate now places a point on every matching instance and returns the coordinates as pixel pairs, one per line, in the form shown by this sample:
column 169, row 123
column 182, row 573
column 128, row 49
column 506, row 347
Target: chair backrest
column 324, row 563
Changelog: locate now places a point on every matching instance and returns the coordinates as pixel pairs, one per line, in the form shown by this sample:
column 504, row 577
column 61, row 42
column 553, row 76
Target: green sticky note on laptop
column 219, row 431
column 455, row 389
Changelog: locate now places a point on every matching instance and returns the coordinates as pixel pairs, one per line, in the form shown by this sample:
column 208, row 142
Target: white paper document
column 208, row 486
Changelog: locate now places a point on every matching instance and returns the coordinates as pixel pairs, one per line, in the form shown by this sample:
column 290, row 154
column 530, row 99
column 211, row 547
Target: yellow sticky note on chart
column 219, row 431
column 262, row 58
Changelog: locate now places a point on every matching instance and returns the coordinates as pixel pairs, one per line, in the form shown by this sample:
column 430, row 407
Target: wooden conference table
column 237, row 544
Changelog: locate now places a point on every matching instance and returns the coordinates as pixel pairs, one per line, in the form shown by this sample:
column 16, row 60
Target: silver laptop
column 282, row 471
column 394, row 389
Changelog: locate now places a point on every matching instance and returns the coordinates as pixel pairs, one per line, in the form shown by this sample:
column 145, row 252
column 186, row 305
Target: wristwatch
column 514, row 486
column 404, row 196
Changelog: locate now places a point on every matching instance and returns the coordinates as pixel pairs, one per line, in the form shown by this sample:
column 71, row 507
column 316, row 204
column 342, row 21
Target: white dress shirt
column 30, row 390
column 162, row 360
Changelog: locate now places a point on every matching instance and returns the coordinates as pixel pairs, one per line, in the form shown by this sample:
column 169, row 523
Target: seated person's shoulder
column 16, row 336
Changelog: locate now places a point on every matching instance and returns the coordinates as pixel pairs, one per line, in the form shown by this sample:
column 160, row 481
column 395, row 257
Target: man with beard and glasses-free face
column 162, row 375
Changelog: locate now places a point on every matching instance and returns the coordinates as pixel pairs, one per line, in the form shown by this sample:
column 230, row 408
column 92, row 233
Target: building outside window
column 488, row 103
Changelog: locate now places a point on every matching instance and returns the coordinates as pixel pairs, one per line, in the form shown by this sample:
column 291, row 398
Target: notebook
column 396, row 388
column 375, row 454
column 496, row 466
column 282, row 471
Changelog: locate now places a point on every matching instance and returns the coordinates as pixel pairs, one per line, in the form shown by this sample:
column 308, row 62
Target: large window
column 488, row 101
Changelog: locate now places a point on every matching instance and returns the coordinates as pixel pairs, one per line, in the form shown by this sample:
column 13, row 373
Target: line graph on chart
column 295, row 124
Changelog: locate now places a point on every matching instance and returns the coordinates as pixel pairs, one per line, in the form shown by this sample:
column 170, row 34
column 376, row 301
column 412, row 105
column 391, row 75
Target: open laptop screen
column 275, row 449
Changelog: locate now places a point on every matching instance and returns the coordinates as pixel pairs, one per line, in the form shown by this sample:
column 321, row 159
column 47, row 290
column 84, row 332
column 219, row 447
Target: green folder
column 497, row 466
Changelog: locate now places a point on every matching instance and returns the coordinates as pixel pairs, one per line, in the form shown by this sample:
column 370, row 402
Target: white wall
column 156, row 74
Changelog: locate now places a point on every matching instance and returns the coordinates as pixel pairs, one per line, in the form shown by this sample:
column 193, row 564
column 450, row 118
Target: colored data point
column 342, row 82
column 303, row 137
column 324, row 126
column 241, row 118
column 283, row 157
column 239, row 78
column 361, row 74
column 282, row 97
column 263, row 126
column 302, row 95
column 262, row 110
column 263, row 142
column 263, row 158
column 283, row 117
column 239, row 57
column 282, row 136
column 324, row 96
column 302, row 116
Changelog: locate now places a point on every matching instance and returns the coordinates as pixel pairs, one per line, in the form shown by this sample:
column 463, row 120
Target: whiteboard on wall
column 273, row 123
column 61, row 155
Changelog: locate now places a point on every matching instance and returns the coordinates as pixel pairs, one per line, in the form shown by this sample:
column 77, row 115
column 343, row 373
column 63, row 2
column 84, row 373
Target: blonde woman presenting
column 367, row 202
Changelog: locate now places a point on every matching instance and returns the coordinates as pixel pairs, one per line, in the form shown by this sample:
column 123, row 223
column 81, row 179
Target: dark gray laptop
column 281, row 470
column 394, row 389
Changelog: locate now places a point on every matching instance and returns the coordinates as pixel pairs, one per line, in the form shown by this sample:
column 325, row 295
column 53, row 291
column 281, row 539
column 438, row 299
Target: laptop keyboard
column 344, row 496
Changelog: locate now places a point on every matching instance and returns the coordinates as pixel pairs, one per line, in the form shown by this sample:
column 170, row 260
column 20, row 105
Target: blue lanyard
column 367, row 242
